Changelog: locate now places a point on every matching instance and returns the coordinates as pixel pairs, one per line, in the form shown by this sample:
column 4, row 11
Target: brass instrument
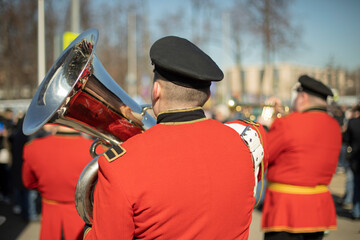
column 262, row 113
column 77, row 92
column 267, row 111
column 274, row 111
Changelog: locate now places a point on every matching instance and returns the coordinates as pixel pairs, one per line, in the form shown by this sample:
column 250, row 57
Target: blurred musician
column 303, row 153
column 52, row 165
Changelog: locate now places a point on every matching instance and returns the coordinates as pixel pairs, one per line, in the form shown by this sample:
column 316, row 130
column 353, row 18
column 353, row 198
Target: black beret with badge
column 314, row 87
column 183, row 63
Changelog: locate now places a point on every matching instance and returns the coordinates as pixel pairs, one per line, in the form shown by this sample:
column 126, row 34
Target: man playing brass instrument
column 303, row 152
column 186, row 177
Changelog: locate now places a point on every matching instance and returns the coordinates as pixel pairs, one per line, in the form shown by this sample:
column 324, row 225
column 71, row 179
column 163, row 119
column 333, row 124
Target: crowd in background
column 24, row 202
column 349, row 159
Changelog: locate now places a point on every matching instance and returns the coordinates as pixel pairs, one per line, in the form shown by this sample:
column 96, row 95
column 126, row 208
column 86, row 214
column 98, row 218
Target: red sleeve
column 112, row 211
column 28, row 175
column 276, row 138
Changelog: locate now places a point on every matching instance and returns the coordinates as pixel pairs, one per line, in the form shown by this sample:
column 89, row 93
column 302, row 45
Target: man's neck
column 314, row 107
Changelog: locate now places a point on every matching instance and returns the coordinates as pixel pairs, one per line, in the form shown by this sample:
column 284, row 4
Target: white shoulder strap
column 252, row 140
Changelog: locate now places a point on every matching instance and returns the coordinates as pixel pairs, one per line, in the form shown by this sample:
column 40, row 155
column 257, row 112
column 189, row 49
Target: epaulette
column 247, row 121
column 114, row 152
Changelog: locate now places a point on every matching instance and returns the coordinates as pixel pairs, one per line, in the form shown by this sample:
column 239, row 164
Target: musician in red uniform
column 52, row 165
column 187, row 177
column 303, row 153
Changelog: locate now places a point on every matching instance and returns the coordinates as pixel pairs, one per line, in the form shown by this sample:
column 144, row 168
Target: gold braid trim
column 262, row 168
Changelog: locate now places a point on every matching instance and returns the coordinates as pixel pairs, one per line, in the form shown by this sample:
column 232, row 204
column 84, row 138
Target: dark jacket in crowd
column 352, row 138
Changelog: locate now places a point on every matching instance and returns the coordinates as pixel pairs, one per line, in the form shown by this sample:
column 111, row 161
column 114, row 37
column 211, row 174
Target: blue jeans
column 342, row 155
column 356, row 202
column 33, row 215
column 349, row 184
column 21, row 199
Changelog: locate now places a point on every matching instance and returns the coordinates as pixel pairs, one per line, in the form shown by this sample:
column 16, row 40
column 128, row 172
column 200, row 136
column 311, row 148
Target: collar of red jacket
column 181, row 115
column 316, row 108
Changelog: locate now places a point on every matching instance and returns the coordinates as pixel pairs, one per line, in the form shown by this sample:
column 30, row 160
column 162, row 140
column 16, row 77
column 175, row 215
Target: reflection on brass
column 133, row 117
column 77, row 92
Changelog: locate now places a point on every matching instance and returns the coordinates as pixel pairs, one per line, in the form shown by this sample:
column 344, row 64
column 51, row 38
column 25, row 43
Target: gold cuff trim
column 293, row 189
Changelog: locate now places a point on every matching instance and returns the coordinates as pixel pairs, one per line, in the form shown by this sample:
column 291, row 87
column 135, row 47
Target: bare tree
column 239, row 26
column 18, row 44
column 172, row 22
column 144, row 64
column 271, row 21
column 201, row 20
column 111, row 50
column 114, row 42
column 205, row 20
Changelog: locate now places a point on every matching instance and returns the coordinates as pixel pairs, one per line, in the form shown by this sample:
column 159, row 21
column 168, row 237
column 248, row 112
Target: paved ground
column 15, row 228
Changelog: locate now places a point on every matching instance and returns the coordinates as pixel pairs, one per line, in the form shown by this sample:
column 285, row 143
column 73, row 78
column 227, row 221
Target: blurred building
column 254, row 84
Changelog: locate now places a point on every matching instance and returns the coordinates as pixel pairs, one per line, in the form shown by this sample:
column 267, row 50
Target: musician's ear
column 156, row 91
column 155, row 96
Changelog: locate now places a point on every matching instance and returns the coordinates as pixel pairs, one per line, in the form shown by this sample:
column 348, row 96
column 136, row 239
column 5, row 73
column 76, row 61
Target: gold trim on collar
column 179, row 123
column 316, row 108
column 180, row 110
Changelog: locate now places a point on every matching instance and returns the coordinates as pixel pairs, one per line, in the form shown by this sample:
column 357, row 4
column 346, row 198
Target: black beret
column 314, row 87
column 181, row 62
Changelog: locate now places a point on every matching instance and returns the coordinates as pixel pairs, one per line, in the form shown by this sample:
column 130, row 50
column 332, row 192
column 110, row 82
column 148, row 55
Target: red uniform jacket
column 187, row 177
column 303, row 154
column 52, row 165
